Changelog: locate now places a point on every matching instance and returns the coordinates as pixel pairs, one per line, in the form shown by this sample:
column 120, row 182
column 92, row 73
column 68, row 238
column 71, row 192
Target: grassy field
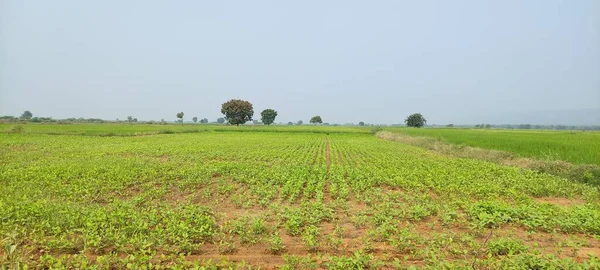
column 321, row 197
column 115, row 129
column 573, row 146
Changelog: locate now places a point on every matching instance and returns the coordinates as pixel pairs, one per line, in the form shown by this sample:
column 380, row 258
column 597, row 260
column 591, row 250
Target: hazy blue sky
column 375, row 61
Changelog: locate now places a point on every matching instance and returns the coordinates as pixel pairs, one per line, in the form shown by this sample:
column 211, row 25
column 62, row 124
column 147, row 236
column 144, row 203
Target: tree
column 316, row 120
column 204, row 121
column 290, row 123
column 134, row 120
column 237, row 111
column 220, row 120
column 361, row 123
column 267, row 116
column 26, row 115
column 450, row 125
column 415, row 120
column 180, row 116
column 299, row 122
column 195, row 119
column 129, row 119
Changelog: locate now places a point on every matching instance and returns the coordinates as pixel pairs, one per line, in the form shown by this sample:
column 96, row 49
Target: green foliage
column 180, row 117
column 505, row 246
column 415, row 120
column 316, row 120
column 576, row 147
column 195, row 119
column 268, row 116
column 276, row 245
column 237, row 111
column 359, row 260
column 339, row 194
column 220, row 120
column 26, row 115
column 361, row 123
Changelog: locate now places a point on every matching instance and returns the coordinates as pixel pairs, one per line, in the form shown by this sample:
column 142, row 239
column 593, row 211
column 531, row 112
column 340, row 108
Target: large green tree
column 267, row 116
column 237, row 111
column 26, row 115
column 415, row 120
column 180, row 116
column 316, row 120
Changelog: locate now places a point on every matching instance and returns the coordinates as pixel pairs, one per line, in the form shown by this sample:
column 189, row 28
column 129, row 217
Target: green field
column 277, row 197
column 115, row 129
column 573, row 146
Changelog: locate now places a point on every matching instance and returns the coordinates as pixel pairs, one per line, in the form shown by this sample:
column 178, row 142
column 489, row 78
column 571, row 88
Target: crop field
column 286, row 197
column 578, row 147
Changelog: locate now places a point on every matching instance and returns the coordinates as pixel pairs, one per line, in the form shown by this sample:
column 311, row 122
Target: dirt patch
column 585, row 252
column 559, row 201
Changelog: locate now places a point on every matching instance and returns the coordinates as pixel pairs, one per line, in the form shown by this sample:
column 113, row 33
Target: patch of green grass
column 579, row 147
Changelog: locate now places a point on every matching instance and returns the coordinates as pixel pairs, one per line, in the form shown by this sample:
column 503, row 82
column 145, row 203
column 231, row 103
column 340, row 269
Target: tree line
column 238, row 112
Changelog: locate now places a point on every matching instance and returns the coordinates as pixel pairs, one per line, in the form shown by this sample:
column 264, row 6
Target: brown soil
column 559, row 201
column 584, row 253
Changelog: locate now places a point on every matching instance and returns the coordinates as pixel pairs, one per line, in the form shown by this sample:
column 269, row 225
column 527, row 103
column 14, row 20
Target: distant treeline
column 521, row 126
column 14, row 119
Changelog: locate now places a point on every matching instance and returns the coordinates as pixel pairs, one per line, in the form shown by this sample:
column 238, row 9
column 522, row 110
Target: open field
column 120, row 129
column 313, row 198
column 573, row 146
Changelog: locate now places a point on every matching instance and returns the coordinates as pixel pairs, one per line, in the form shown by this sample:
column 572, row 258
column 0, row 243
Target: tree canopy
column 26, row 115
column 415, row 120
column 220, row 120
column 195, row 119
column 267, row 116
column 237, row 111
column 316, row 120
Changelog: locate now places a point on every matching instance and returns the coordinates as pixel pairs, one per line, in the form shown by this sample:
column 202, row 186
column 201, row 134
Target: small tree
column 267, row 116
column 316, row 120
column 204, row 121
column 27, row 115
column 237, row 111
column 415, row 120
column 134, row 120
column 129, row 119
column 195, row 119
column 180, row 116
column 290, row 123
column 299, row 122
column 220, row 120
column 450, row 125
column 361, row 123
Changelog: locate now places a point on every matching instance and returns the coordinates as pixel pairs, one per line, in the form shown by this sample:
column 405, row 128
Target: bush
column 506, row 246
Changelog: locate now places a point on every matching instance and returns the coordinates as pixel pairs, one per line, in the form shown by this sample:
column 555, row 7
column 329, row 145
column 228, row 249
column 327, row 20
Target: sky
column 460, row 62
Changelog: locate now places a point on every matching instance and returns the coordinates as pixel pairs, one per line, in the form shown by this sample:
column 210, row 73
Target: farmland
column 277, row 197
column 573, row 146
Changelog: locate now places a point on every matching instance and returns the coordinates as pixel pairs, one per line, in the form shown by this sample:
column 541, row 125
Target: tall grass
column 577, row 147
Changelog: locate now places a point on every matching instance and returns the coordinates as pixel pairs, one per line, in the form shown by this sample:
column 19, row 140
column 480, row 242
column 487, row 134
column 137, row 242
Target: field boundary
column 584, row 173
